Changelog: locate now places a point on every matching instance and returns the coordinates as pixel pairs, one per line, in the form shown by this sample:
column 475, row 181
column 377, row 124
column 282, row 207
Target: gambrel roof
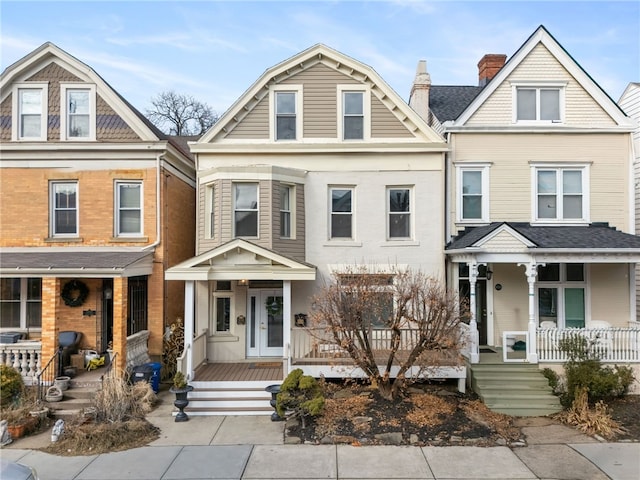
column 359, row 73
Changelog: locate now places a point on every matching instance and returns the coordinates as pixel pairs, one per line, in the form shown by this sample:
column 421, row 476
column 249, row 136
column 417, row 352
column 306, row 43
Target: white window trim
column 52, row 209
column 561, row 285
column 213, row 322
column 297, row 89
column 116, row 203
column 233, row 207
column 210, row 211
column 561, row 86
column 366, row 111
column 292, row 210
column 411, row 212
column 64, row 87
column 586, row 201
column 483, row 168
column 353, row 214
column 44, row 115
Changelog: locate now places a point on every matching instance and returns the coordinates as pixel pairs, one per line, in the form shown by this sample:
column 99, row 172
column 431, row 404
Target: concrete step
column 228, row 411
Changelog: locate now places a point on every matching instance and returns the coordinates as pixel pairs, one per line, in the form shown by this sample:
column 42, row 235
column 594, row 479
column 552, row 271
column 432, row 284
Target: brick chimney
column 419, row 96
column 488, row 66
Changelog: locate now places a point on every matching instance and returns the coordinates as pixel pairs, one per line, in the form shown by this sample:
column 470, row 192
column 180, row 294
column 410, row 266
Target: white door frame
column 257, row 324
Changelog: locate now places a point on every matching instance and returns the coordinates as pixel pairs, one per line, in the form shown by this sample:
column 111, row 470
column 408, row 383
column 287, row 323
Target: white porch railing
column 609, row 344
column 25, row 357
column 138, row 349
column 193, row 355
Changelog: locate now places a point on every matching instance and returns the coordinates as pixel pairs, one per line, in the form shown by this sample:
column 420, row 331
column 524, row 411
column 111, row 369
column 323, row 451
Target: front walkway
column 254, row 448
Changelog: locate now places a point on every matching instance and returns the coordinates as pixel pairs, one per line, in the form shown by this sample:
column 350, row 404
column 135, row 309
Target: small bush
column 301, row 395
column 118, row 401
column 591, row 421
column 11, row 385
column 553, row 378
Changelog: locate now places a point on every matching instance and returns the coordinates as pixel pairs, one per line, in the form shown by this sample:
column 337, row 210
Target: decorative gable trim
column 504, row 238
column 305, row 60
column 542, row 36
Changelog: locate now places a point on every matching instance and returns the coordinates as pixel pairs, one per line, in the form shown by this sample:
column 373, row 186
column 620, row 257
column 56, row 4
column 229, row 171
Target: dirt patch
column 429, row 414
column 89, row 438
column 626, row 411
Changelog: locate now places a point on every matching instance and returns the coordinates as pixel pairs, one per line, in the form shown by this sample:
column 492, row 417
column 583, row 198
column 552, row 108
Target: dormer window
column 78, row 117
column 539, row 104
column 285, row 107
column 30, row 107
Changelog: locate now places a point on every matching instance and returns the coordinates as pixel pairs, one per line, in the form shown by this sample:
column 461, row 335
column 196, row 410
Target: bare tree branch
column 178, row 114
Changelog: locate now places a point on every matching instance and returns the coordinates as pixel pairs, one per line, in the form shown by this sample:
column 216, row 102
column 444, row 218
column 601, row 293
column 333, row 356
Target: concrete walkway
column 245, row 447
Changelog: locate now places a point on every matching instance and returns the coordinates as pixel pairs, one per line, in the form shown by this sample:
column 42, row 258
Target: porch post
column 532, row 351
column 286, row 325
column 189, row 300
column 473, row 323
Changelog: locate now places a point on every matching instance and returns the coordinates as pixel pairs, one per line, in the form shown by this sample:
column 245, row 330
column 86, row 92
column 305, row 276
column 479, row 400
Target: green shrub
column 584, row 370
column 553, row 378
column 300, row 395
column 11, row 385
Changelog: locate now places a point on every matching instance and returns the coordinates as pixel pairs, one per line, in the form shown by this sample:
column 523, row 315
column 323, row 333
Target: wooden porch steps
column 230, row 398
column 515, row 389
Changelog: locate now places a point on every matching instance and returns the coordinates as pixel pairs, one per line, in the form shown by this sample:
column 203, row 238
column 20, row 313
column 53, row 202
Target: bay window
column 245, row 207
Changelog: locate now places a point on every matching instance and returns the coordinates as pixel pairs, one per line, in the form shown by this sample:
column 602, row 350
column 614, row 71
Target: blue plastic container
column 155, row 377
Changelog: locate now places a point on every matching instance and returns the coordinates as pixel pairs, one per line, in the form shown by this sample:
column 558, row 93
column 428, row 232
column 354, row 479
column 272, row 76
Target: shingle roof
column 69, row 260
column 594, row 236
column 447, row 102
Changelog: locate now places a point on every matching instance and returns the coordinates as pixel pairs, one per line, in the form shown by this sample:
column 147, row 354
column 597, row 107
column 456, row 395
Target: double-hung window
column 20, row 302
column 210, row 210
column 473, row 193
column 30, row 103
column 245, row 208
column 561, row 194
column 128, row 208
column 354, row 113
column 285, row 115
column 341, row 224
column 399, row 211
column 78, row 116
column 561, row 291
column 64, row 208
column 286, row 199
column 538, row 103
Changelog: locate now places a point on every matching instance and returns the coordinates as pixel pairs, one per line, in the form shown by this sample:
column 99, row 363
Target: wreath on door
column 74, row 293
column 274, row 305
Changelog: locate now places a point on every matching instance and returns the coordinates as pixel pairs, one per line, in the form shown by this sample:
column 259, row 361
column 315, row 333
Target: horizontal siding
column 504, row 242
column 510, row 173
column 254, row 125
column 580, row 108
column 384, row 124
column 293, row 247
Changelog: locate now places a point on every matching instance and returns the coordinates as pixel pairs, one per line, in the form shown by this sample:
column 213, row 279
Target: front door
column 264, row 329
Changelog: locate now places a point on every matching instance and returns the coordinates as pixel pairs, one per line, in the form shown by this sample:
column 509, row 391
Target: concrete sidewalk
column 247, row 447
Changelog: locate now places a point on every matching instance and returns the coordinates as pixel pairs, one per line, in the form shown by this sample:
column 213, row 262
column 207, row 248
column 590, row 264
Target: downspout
column 158, row 205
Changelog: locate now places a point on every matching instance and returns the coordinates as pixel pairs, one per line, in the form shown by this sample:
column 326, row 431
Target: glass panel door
column 574, row 307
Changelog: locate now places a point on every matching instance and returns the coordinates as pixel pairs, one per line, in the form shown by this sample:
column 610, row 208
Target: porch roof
column 240, row 259
column 77, row 263
column 593, row 240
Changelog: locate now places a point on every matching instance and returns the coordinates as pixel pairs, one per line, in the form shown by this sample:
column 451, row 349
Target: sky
column 215, row 50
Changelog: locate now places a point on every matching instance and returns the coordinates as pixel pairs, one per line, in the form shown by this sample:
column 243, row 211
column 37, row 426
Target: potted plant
column 181, row 390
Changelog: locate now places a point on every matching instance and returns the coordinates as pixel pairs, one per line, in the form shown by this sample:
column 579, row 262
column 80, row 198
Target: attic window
column 30, row 107
column 539, row 103
column 78, row 116
column 285, row 106
column 354, row 112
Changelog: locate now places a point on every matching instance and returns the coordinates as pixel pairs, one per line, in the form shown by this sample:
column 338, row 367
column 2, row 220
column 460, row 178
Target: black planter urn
column 274, row 390
column 181, row 401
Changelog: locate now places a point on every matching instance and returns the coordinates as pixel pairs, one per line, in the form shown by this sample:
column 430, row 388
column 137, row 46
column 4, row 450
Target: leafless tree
column 406, row 322
column 178, row 114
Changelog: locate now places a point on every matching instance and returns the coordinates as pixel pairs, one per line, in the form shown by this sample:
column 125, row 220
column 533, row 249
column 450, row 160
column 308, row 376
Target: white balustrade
column 25, row 357
column 609, row 344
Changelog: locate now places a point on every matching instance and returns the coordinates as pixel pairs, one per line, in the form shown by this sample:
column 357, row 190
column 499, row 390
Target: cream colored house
column 540, row 205
column 318, row 166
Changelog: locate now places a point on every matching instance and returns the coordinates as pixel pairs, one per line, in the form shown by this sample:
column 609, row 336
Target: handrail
column 109, row 368
column 48, row 373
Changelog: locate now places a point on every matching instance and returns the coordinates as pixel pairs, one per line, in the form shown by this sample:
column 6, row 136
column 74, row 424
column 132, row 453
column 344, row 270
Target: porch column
column 120, row 310
column 532, row 351
column 50, row 301
column 286, row 325
column 473, row 323
column 189, row 302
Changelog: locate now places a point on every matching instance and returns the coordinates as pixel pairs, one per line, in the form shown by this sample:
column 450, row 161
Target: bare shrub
column 403, row 320
column 118, row 401
column 592, row 421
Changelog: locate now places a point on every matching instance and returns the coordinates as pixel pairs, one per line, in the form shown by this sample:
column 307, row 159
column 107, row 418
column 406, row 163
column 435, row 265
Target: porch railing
column 609, row 344
column 25, row 357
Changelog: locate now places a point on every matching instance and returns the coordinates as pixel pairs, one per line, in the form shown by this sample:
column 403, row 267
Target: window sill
column 342, row 243
column 64, row 239
column 129, row 239
column 400, row 243
column 556, row 223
